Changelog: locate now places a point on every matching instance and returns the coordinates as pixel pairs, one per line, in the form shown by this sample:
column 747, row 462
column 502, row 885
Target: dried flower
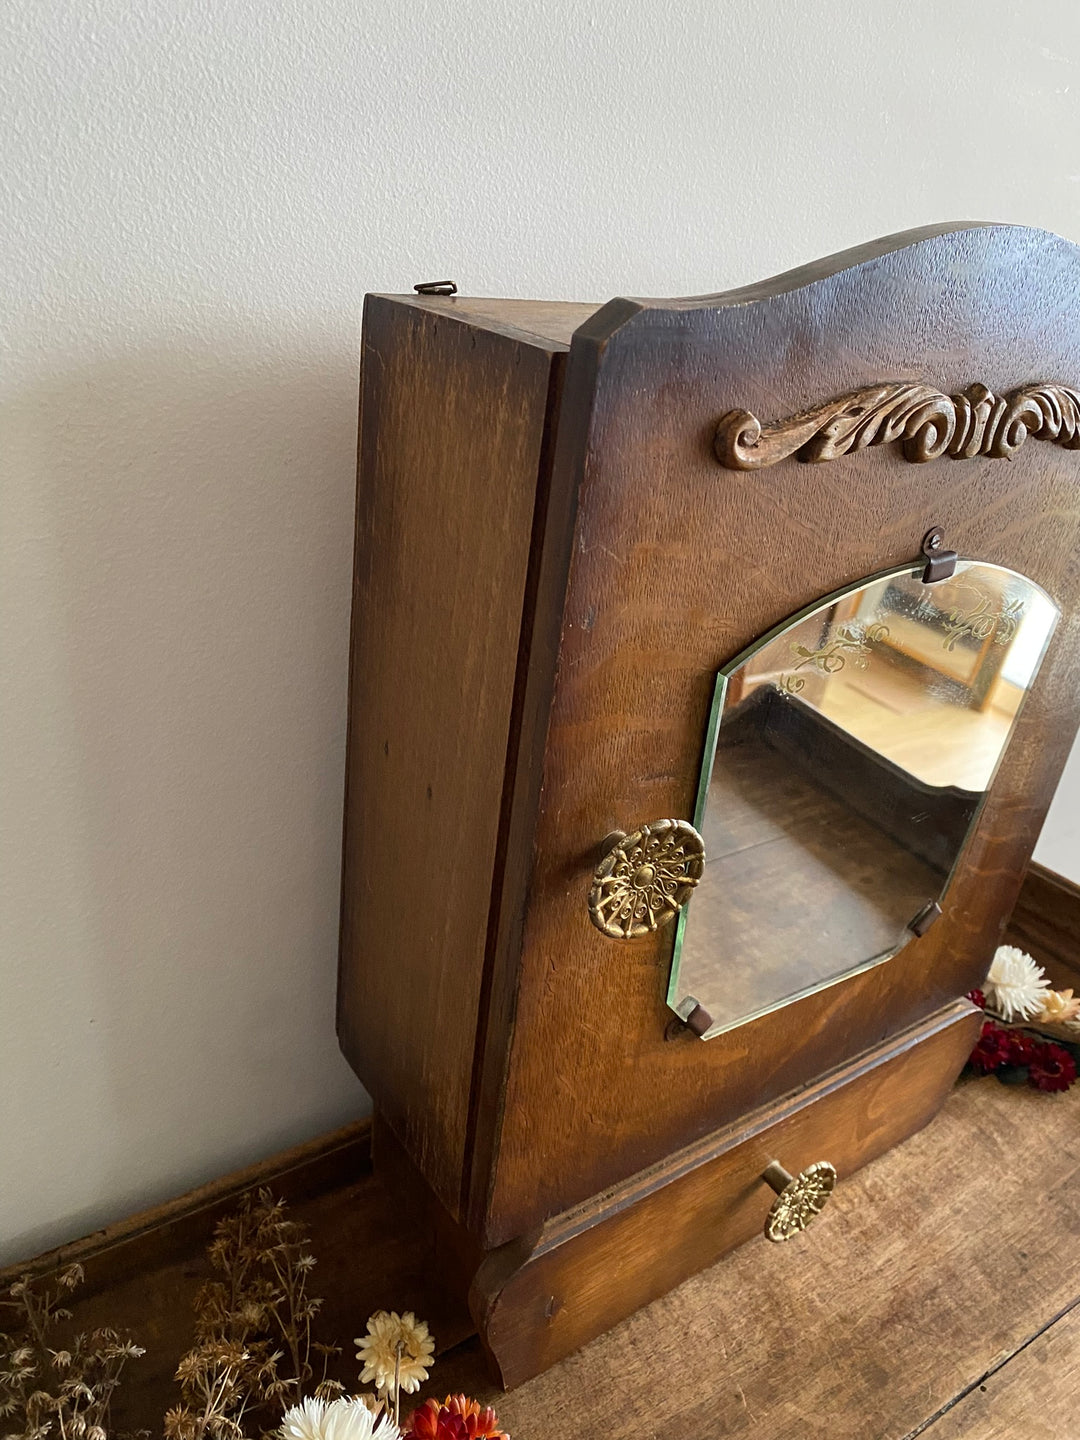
column 977, row 998
column 992, row 1050
column 396, row 1352
column 1052, row 1068
column 1022, row 1048
column 253, row 1327
column 1059, row 1007
column 348, row 1418
column 69, row 1389
column 457, row 1418
column 304, row 1421
column 1016, row 985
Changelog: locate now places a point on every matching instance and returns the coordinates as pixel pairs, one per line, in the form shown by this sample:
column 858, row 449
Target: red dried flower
column 992, row 1050
column 1022, row 1048
column 457, row 1418
column 977, row 998
column 1051, row 1068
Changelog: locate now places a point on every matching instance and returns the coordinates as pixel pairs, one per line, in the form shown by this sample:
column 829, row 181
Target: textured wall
column 193, row 200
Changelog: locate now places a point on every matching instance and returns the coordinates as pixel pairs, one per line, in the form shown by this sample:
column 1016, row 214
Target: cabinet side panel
column 452, row 426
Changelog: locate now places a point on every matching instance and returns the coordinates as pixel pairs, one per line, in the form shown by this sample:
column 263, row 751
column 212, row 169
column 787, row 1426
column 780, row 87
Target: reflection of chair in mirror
column 957, row 635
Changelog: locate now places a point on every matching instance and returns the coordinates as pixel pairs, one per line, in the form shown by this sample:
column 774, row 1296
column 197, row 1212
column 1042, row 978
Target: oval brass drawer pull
column 800, row 1198
column 645, row 878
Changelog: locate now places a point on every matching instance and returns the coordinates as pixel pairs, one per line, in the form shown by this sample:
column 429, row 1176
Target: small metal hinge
column 693, row 1015
column 436, row 287
column 925, row 918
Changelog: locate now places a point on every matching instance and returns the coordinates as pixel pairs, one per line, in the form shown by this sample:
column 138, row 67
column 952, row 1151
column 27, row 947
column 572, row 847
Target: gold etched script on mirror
column 847, row 756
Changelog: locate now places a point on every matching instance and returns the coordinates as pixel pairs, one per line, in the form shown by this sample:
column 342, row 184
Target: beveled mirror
column 848, row 753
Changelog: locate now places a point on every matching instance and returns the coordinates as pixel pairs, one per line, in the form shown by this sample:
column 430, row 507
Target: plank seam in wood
column 943, row 1410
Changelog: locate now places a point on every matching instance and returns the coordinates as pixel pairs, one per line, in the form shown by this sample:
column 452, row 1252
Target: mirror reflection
column 847, row 756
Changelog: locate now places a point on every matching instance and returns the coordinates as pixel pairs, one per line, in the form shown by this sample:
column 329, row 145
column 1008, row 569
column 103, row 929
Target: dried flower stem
column 71, row 1388
column 399, row 1350
column 249, row 1322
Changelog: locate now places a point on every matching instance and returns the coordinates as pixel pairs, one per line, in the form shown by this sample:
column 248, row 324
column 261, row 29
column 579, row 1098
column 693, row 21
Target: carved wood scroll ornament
column 928, row 424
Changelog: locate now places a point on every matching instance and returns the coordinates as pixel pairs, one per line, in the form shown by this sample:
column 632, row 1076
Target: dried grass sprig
column 253, row 1327
column 44, row 1391
column 254, row 1354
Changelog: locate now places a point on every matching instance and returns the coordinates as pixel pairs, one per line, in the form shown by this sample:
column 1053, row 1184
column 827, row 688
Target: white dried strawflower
column 1016, row 986
column 304, row 1421
column 346, row 1419
column 351, row 1419
column 395, row 1345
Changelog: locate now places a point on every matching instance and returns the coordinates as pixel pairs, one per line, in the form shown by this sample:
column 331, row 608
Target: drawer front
column 673, row 566
column 594, row 1266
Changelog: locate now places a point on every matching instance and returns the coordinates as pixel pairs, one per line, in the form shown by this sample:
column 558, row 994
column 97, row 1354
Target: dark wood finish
column 551, row 567
column 672, row 566
column 1046, row 923
column 454, row 417
column 884, row 1322
column 537, row 1301
column 456, row 1252
column 871, row 1328
column 552, row 541
column 928, row 425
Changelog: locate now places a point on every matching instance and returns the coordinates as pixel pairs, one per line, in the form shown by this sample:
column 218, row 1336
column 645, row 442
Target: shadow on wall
column 175, row 570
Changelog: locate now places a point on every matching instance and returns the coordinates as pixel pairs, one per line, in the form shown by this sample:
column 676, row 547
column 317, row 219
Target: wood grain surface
column 671, row 566
column 935, row 1265
column 538, row 1302
column 142, row 1273
column 1036, row 1396
column 551, row 320
column 551, row 566
column 929, row 1276
column 1046, row 923
column 453, row 424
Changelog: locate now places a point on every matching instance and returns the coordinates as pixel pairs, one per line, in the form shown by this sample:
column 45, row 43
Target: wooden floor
column 800, row 888
column 939, row 1296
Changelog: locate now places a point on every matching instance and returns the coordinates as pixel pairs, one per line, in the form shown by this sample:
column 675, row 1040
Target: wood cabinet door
column 656, row 566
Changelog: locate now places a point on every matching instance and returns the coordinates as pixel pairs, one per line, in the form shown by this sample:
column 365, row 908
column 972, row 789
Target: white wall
column 195, row 197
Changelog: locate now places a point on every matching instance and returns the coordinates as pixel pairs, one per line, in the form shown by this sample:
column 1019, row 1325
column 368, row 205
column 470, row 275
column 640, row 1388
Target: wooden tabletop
column 936, row 1297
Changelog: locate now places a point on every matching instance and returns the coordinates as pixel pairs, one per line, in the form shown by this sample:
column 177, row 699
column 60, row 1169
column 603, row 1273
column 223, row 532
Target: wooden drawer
column 535, row 1302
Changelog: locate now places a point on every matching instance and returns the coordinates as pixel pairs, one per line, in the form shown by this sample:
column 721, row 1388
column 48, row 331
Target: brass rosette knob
column 645, row 878
column 800, row 1198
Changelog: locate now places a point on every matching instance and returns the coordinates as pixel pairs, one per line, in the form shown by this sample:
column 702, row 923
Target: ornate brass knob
column 800, row 1198
column 645, row 878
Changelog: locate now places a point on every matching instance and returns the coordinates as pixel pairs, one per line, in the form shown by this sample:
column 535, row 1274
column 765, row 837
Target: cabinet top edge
column 549, row 324
column 552, row 324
